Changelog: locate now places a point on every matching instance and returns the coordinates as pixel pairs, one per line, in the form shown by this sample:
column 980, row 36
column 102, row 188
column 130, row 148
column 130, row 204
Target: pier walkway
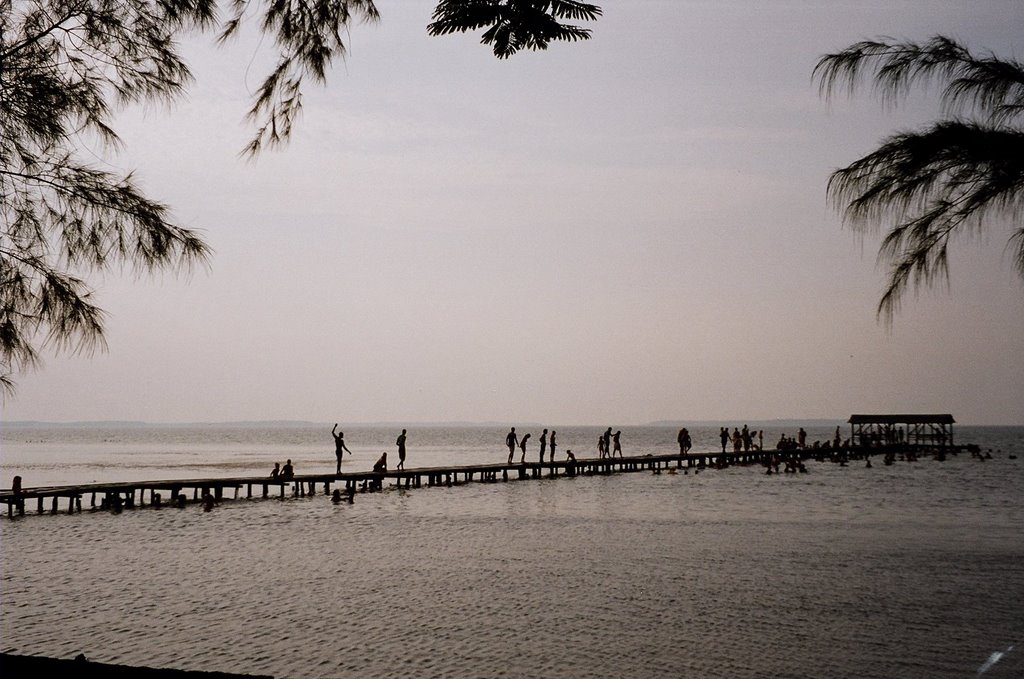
column 178, row 492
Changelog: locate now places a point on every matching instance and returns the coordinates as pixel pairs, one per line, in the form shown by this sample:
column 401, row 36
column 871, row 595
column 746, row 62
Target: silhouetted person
column 400, row 442
column 287, row 471
column 724, row 435
column 336, row 496
column 544, row 445
column 276, row 471
column 339, row 445
column 801, row 438
column 552, row 445
column 687, row 442
column 569, row 456
column 522, row 446
column 679, row 440
column 511, row 441
column 381, row 465
column 16, row 485
column 208, row 502
column 616, row 446
column 607, row 439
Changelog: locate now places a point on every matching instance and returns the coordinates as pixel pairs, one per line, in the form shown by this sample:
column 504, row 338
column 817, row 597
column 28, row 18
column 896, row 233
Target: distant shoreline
column 305, row 424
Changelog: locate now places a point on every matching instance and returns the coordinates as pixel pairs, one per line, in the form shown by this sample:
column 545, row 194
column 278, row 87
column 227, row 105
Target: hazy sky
column 628, row 229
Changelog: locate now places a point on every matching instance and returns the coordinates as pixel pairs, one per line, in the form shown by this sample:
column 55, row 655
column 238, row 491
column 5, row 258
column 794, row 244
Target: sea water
column 909, row 570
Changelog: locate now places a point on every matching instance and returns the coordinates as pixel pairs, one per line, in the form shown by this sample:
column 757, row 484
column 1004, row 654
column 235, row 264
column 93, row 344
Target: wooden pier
column 180, row 492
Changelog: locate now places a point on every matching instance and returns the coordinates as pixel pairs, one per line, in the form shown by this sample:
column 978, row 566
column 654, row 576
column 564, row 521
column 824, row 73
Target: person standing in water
column 400, row 442
column 511, row 441
column 339, row 445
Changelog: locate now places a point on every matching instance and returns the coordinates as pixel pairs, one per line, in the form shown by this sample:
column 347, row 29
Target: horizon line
column 436, row 423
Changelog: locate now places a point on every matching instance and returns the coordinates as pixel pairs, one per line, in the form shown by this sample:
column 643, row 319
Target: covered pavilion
column 875, row 430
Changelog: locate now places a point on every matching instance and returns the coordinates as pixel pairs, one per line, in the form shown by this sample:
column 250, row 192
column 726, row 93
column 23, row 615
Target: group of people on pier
column 513, row 441
column 743, row 440
column 381, row 465
column 286, row 473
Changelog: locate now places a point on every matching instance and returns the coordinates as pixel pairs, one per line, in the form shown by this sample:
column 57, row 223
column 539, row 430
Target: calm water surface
column 913, row 570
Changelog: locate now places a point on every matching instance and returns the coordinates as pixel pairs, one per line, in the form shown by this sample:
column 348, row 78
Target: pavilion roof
column 901, row 419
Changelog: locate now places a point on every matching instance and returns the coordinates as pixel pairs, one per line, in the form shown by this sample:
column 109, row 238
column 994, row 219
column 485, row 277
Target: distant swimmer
column 543, row 445
column 400, row 442
column 339, row 445
column 522, row 446
column 511, row 441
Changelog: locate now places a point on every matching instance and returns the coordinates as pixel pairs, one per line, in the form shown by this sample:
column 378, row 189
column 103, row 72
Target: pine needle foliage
column 66, row 66
column 955, row 176
column 514, row 25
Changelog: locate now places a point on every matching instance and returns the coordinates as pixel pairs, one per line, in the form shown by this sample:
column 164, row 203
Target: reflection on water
column 903, row 571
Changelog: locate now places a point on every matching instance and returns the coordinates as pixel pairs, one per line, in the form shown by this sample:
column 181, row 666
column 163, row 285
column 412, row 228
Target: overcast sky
column 628, row 229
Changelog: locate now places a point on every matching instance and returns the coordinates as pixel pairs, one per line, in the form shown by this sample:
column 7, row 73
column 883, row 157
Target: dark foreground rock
column 32, row 667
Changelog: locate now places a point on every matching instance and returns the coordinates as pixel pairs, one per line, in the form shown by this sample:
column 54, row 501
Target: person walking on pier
column 511, row 441
column 543, row 445
column 616, row 446
column 400, row 442
column 607, row 442
column 522, row 446
column 339, row 445
column 684, row 441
